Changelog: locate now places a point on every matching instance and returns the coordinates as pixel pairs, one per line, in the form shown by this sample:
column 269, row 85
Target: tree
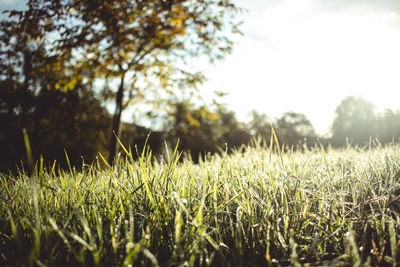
column 260, row 125
column 294, row 128
column 388, row 126
column 137, row 137
column 31, row 99
column 204, row 129
column 196, row 128
column 57, row 121
column 132, row 44
column 354, row 120
column 233, row 133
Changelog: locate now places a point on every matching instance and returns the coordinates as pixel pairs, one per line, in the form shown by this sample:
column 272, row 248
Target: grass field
column 258, row 206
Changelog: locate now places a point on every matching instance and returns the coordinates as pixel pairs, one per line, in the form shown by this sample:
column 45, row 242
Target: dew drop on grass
column 129, row 246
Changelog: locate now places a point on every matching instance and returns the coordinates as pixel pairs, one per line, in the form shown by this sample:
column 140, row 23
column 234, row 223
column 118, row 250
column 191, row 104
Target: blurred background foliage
column 76, row 122
column 53, row 95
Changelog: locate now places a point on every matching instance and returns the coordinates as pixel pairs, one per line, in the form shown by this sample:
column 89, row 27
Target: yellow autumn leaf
column 192, row 121
column 70, row 85
column 182, row 32
column 177, row 22
column 212, row 116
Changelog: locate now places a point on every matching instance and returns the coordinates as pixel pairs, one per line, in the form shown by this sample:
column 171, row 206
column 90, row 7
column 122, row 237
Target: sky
column 308, row 55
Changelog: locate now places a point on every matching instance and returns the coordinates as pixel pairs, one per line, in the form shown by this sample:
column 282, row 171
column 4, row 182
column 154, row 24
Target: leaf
column 192, row 121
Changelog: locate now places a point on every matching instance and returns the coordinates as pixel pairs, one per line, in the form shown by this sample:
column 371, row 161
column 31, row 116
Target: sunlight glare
column 294, row 57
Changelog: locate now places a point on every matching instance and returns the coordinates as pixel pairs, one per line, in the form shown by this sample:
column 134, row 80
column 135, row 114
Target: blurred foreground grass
column 256, row 207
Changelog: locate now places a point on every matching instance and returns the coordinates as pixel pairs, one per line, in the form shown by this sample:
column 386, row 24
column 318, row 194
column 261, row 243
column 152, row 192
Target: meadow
column 257, row 206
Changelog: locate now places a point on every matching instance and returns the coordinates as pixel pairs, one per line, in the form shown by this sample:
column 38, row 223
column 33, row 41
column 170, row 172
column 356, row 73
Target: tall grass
column 259, row 206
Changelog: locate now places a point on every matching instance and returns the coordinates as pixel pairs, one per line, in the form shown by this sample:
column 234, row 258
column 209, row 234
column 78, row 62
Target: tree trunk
column 24, row 104
column 116, row 131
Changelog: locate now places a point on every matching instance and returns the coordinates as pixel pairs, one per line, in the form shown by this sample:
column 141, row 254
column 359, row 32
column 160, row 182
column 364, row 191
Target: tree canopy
column 355, row 120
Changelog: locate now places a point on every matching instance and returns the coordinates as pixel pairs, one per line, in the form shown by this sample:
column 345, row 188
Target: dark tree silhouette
column 30, row 98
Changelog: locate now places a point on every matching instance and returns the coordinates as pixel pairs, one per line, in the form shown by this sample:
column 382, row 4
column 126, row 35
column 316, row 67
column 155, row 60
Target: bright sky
column 307, row 55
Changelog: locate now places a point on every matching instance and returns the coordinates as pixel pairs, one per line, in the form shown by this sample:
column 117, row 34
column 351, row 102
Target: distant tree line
column 356, row 122
column 77, row 123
